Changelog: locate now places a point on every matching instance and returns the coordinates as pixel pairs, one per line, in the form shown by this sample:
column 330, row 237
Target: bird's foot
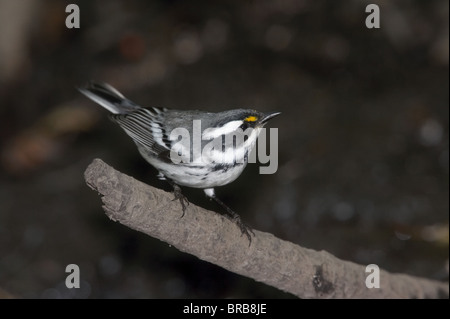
column 245, row 229
column 178, row 195
column 235, row 218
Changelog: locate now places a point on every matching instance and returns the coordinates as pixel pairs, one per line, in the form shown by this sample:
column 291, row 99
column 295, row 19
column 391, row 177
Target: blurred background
column 363, row 138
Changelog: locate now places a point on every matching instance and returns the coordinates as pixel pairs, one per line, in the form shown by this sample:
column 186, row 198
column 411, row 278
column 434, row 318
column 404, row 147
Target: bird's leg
column 178, row 195
column 231, row 215
column 245, row 229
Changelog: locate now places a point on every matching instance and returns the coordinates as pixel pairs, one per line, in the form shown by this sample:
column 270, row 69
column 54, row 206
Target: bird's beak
column 269, row 116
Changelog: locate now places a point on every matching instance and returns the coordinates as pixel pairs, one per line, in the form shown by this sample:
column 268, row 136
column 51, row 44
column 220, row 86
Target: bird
column 215, row 156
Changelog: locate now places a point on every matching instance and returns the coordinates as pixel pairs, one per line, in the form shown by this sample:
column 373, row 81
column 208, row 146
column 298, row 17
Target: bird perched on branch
column 213, row 149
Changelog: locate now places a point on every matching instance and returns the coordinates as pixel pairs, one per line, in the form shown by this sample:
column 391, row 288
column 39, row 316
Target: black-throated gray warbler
column 151, row 128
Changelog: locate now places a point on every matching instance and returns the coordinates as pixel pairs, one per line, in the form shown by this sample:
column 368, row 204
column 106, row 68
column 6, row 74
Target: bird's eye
column 251, row 118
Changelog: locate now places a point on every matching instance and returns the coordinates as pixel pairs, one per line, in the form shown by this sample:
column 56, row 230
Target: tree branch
column 209, row 236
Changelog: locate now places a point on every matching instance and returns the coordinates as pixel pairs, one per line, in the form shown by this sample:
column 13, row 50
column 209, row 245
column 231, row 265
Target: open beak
column 269, row 116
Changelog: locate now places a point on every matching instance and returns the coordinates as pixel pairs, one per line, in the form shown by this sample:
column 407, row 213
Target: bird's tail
column 108, row 97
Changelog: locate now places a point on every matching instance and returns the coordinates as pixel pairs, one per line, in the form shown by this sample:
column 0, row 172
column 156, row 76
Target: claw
column 179, row 196
column 245, row 229
column 231, row 215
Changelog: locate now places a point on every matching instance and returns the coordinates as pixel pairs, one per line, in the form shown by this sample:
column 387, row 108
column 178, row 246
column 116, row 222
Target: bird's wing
column 145, row 128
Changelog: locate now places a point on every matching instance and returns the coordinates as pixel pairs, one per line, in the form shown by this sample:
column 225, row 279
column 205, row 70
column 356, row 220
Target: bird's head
column 235, row 121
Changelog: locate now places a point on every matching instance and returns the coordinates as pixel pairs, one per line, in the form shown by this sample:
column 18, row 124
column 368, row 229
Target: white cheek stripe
column 211, row 133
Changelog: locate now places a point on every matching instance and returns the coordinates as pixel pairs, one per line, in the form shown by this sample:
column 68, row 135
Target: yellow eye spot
column 251, row 119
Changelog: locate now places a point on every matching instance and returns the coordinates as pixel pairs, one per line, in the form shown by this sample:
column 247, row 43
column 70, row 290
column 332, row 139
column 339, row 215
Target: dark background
column 363, row 138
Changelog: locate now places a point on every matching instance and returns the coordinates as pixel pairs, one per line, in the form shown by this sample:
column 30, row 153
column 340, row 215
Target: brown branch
column 209, row 236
